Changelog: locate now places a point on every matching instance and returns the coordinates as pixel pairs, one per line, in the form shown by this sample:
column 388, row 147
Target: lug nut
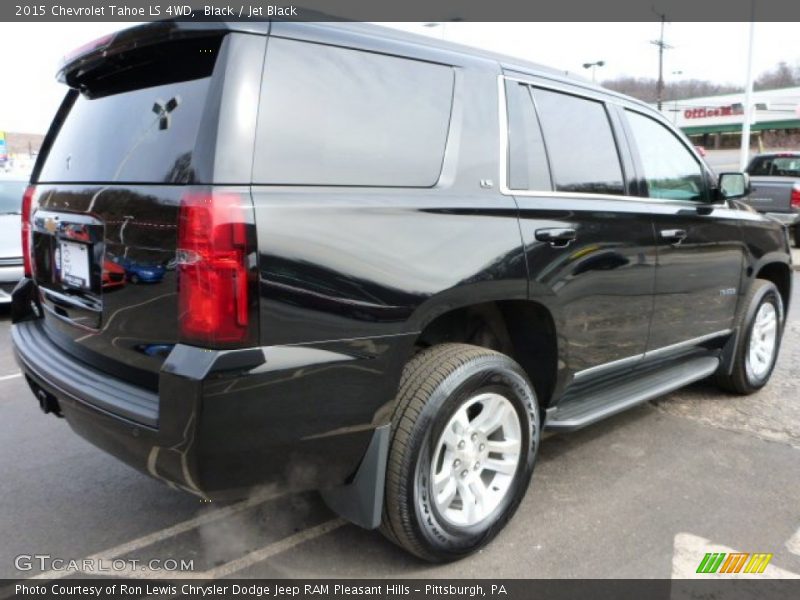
column 473, row 437
column 477, row 465
column 456, row 462
column 461, row 445
column 464, row 473
column 482, row 447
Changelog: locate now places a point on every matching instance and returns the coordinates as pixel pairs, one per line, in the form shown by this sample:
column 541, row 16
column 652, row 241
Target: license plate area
column 74, row 265
column 68, row 254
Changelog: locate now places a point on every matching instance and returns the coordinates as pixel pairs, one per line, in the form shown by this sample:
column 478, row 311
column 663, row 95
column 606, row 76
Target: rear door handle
column 558, row 237
column 673, row 236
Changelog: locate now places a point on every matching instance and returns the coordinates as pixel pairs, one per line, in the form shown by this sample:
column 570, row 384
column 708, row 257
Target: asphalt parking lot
column 644, row 494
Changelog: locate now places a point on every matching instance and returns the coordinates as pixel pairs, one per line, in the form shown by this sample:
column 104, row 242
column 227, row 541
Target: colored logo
column 734, row 562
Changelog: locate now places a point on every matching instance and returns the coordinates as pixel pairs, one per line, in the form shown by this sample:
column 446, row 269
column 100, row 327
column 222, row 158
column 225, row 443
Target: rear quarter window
column 337, row 116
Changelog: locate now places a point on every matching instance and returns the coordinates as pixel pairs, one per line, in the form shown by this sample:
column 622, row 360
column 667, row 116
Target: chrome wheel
column 475, row 459
column 763, row 341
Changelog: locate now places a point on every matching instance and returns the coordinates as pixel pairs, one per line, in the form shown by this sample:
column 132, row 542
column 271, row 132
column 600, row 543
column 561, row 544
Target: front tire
column 760, row 324
column 465, row 432
column 796, row 236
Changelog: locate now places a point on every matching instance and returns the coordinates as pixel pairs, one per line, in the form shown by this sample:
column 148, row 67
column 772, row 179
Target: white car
column 11, row 268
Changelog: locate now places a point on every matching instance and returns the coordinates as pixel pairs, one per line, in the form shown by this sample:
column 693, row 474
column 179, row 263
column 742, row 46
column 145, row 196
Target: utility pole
column 662, row 45
column 744, row 151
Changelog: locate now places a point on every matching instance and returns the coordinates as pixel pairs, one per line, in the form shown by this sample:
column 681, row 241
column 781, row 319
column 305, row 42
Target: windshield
column 11, row 196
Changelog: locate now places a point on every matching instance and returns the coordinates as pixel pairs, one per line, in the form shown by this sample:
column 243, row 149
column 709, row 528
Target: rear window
column 336, row 116
column 11, row 196
column 776, row 166
column 137, row 123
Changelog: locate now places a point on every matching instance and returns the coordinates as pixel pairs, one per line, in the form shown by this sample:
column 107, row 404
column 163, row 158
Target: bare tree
column 780, row 77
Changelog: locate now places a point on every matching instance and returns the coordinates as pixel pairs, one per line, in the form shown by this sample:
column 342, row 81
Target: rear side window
column 136, row 121
column 580, row 144
column 670, row 169
column 527, row 159
column 776, row 166
column 335, row 116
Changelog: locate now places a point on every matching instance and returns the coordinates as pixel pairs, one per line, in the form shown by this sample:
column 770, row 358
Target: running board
column 610, row 399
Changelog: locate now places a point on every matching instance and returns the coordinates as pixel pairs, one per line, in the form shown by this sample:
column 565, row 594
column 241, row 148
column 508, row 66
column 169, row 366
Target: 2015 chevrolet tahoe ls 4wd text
column 343, row 258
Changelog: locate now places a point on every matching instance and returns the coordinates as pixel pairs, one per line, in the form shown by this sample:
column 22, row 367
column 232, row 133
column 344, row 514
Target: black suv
column 339, row 257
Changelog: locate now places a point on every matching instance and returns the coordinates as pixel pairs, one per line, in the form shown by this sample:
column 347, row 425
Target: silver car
column 11, row 268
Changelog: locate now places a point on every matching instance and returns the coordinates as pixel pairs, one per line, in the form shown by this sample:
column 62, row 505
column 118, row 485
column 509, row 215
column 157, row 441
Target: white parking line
column 14, row 376
column 243, row 562
column 793, row 543
column 163, row 534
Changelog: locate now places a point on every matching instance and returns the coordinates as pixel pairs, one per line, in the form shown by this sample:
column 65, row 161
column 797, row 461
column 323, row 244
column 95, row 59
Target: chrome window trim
column 502, row 112
column 650, row 354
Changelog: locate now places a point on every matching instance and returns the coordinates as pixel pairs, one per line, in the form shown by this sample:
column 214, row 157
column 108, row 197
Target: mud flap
column 25, row 304
column 361, row 500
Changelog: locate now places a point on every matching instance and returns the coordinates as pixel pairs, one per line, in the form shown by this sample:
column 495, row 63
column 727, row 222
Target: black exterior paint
column 349, row 277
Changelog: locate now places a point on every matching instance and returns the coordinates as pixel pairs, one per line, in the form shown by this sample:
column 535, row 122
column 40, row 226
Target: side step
column 611, row 398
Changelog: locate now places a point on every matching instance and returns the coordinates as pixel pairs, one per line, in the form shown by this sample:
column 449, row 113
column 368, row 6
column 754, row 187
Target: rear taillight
column 27, row 242
column 795, row 201
column 214, row 230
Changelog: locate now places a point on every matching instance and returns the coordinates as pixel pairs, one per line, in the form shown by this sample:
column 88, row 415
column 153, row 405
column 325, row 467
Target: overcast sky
column 714, row 51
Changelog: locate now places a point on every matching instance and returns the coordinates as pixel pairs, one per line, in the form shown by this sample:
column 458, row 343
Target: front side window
column 670, row 170
column 580, row 144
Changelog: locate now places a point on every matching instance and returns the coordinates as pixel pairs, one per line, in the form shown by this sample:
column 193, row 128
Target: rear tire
column 760, row 326
column 465, row 432
column 796, row 236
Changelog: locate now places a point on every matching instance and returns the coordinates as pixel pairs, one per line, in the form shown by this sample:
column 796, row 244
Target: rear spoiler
column 91, row 60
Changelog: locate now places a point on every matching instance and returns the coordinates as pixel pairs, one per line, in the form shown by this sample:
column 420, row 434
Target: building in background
column 716, row 121
column 18, row 151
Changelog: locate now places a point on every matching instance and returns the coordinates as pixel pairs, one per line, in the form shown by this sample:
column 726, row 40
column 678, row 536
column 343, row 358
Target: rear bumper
column 224, row 423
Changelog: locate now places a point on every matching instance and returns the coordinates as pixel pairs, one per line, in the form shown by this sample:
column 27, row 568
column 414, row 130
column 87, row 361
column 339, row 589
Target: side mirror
column 733, row 185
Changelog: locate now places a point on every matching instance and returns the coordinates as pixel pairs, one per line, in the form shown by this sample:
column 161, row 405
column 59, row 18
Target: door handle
column 673, row 236
column 558, row 237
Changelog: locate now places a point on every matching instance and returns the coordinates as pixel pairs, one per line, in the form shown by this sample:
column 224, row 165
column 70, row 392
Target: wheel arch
column 522, row 329
column 780, row 274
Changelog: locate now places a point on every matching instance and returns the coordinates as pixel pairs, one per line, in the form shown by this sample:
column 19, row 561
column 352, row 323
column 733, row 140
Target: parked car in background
column 11, row 261
column 138, row 272
column 398, row 262
column 113, row 275
column 775, row 188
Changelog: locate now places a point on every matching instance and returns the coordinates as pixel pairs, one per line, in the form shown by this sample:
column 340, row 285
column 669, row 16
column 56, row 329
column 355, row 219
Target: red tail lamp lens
column 212, row 268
